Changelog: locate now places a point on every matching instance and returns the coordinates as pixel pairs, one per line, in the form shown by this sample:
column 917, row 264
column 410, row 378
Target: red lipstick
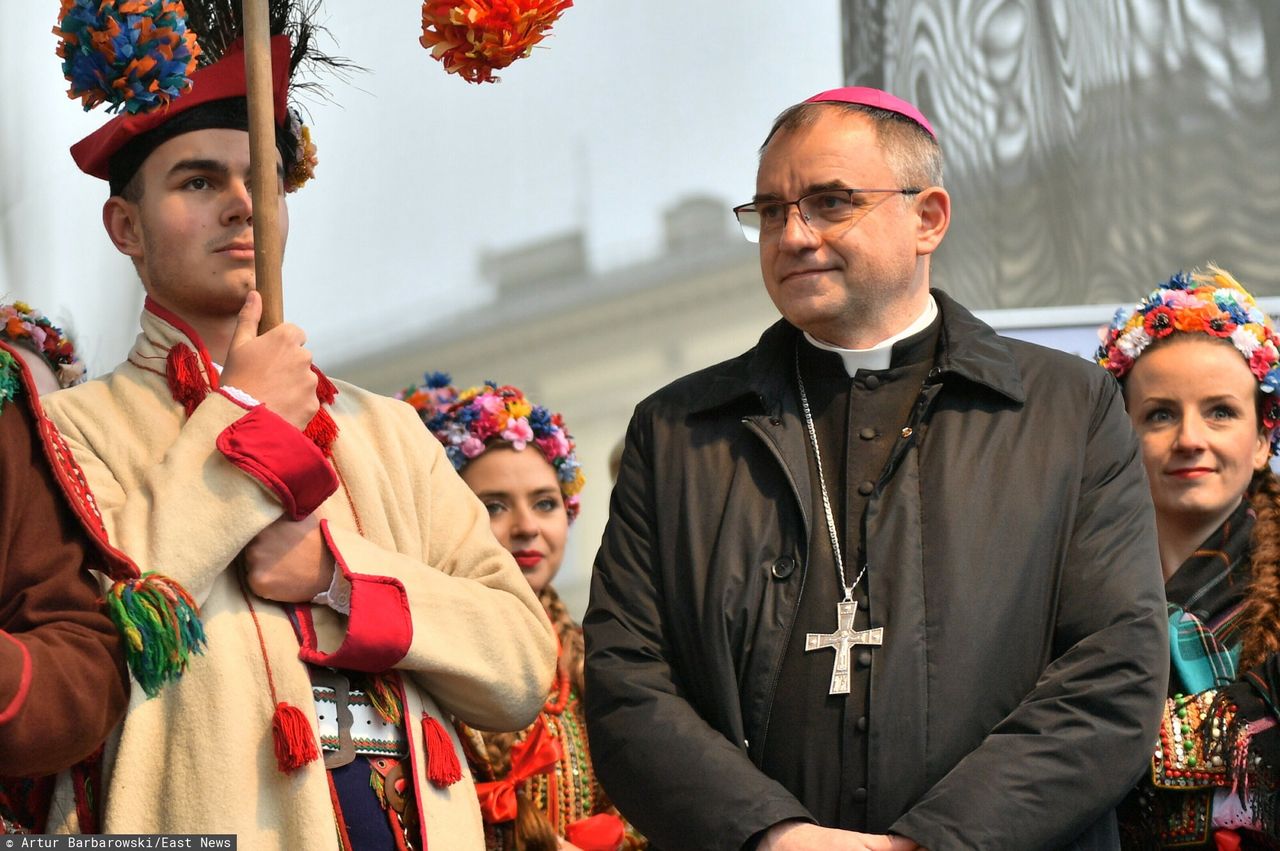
column 527, row 559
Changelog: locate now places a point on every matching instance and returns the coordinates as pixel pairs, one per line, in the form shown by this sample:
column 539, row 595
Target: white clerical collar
column 879, row 356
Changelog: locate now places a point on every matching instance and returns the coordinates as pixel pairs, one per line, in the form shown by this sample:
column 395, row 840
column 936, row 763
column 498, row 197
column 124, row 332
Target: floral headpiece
column 21, row 323
column 469, row 422
column 1210, row 303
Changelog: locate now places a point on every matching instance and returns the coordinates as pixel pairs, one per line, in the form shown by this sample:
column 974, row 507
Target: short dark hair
column 132, row 191
column 913, row 154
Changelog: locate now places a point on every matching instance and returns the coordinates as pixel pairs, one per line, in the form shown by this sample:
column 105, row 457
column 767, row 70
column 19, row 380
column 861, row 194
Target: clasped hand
column 288, row 561
column 801, row 836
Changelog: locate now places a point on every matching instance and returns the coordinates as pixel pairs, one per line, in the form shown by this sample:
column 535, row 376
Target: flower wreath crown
column 1212, row 303
column 468, row 422
column 21, row 323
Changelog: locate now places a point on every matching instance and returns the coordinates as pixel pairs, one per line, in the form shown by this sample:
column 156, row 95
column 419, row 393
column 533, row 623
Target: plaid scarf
column 1206, row 600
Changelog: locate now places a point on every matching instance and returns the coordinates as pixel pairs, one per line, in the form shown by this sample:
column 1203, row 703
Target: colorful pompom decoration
column 131, row 54
column 474, row 38
column 161, row 628
column 304, row 154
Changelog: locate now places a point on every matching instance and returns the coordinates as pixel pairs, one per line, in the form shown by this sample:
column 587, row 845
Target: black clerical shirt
column 817, row 742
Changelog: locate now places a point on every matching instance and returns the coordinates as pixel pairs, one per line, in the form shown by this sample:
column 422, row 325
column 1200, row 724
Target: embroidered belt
column 370, row 734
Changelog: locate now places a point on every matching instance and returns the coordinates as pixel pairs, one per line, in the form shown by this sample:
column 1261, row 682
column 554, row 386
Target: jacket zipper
column 791, row 623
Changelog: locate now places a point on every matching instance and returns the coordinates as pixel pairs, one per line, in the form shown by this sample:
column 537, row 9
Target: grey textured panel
column 1093, row 146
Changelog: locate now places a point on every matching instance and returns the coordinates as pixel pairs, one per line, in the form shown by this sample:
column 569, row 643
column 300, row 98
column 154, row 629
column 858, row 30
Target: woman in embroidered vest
column 537, row 788
column 1200, row 367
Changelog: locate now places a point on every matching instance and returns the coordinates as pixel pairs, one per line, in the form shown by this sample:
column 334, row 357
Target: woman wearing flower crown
column 46, row 350
column 538, row 790
column 1200, row 367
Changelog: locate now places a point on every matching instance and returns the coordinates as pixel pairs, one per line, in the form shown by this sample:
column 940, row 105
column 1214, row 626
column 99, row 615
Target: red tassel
column 443, row 768
column 295, row 743
column 326, row 392
column 186, row 384
column 323, row 431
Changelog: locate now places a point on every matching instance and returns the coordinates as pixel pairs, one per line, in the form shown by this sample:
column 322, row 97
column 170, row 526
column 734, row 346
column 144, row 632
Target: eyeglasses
column 824, row 211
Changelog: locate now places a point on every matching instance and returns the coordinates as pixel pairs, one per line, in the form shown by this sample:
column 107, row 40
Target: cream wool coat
column 199, row 757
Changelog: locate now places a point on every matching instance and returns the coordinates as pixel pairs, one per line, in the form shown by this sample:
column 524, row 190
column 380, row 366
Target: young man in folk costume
column 351, row 590
column 63, row 684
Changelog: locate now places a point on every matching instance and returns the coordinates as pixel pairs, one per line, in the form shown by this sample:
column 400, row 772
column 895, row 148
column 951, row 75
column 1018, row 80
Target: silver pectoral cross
column 843, row 641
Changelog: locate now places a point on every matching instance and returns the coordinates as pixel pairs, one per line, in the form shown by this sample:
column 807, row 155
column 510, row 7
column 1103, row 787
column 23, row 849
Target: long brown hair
column 531, row 830
column 1261, row 619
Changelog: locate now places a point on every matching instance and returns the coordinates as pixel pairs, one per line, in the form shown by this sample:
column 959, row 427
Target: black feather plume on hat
column 219, row 24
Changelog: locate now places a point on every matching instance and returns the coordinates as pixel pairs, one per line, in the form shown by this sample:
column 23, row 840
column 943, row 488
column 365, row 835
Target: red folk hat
column 867, row 96
column 220, row 80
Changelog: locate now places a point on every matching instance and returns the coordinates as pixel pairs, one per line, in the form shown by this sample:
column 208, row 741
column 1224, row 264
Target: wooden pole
column 268, row 245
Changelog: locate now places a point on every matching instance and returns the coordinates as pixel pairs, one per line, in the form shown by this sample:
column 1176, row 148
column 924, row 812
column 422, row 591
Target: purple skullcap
column 867, row 96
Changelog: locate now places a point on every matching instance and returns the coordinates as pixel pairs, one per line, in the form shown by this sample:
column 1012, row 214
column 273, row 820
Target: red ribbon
column 602, row 832
column 537, row 754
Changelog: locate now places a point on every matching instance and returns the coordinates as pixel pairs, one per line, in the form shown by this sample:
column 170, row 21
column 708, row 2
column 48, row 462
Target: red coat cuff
column 15, row 660
column 282, row 458
column 379, row 627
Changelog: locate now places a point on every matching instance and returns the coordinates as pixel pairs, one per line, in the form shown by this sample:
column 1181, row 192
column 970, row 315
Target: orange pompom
column 474, row 38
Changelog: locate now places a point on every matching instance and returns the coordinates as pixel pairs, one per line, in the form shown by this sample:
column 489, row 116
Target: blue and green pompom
column 131, row 54
column 161, row 626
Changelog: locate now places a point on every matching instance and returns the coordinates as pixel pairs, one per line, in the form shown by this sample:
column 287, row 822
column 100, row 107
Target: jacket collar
column 162, row 329
column 968, row 349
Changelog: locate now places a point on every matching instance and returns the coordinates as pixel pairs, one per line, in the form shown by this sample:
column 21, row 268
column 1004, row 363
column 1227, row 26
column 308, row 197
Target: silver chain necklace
column 822, row 483
column 845, row 638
